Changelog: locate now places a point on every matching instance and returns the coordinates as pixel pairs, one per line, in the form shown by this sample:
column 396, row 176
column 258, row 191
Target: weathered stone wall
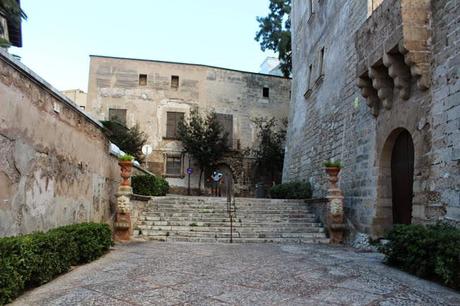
column 329, row 118
column 333, row 121
column 446, row 107
column 114, row 83
column 55, row 167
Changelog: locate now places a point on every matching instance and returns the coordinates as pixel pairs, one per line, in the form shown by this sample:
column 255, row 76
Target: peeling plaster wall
column 54, row 168
column 114, row 83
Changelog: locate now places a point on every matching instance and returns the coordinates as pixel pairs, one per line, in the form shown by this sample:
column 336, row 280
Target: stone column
column 123, row 215
column 335, row 217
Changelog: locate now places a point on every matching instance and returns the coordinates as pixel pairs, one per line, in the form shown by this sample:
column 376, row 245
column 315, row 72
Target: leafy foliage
column 275, row 33
column 332, row 164
column 293, row 190
column 126, row 157
column 203, row 138
column 428, row 251
column 13, row 13
column 34, row 259
column 269, row 153
column 128, row 140
column 149, row 185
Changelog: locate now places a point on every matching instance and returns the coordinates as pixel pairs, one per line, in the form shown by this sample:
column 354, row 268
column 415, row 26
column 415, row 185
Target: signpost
column 189, row 172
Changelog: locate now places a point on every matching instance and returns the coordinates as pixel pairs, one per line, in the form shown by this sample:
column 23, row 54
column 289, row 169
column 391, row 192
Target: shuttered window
column 226, row 121
column 172, row 120
column 118, row 115
column 173, row 166
column 174, row 81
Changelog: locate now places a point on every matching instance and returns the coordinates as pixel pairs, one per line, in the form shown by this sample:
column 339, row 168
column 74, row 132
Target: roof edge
column 189, row 64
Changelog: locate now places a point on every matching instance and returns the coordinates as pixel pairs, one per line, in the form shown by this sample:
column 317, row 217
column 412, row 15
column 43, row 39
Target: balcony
column 393, row 47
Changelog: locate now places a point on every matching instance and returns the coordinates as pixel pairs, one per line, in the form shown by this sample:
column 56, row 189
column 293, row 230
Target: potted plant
column 126, row 165
column 333, row 167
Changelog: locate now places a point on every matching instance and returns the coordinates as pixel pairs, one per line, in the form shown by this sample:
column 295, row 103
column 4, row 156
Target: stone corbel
column 370, row 94
column 399, row 72
column 419, row 63
column 382, row 82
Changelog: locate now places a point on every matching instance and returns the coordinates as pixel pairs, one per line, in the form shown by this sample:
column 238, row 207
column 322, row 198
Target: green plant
column 149, row 185
column 34, row 259
column 292, row 190
column 269, row 150
column 332, row 164
column 129, row 140
column 193, row 224
column 428, row 251
column 126, row 157
column 203, row 137
column 275, row 33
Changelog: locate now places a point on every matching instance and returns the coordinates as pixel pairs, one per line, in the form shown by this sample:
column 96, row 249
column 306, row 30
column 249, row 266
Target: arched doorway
column 402, row 178
column 394, row 182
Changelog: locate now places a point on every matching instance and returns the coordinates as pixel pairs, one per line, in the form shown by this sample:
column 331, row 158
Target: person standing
column 216, row 177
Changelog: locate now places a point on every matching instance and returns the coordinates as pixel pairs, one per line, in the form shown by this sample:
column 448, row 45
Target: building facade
column 157, row 95
column 76, row 95
column 376, row 85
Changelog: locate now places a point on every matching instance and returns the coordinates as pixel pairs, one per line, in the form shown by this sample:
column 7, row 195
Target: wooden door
column 402, row 178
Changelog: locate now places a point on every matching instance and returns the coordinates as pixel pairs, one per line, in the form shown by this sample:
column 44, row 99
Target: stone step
column 198, row 219
column 244, row 240
column 240, row 229
column 261, row 235
column 227, row 224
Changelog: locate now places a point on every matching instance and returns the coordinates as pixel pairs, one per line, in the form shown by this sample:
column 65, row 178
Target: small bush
column 294, row 190
column 34, row 259
column 427, row 251
column 149, row 185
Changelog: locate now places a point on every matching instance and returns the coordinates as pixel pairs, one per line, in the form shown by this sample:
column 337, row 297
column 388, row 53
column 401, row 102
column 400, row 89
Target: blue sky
column 59, row 35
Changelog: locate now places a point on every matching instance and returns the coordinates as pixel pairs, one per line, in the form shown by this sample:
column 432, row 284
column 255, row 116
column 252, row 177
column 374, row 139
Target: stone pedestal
column 122, row 225
column 335, row 217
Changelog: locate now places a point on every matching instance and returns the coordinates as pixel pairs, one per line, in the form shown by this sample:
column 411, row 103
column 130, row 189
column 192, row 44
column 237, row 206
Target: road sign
column 189, row 170
column 147, row 149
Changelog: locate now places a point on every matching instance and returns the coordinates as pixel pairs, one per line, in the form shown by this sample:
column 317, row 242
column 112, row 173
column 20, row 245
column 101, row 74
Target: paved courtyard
column 153, row 273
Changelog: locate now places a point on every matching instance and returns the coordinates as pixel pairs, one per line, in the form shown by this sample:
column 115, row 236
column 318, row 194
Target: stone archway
column 395, row 182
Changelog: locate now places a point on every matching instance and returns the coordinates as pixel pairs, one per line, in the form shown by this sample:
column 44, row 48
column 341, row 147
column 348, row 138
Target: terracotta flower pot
column 332, row 171
column 126, row 167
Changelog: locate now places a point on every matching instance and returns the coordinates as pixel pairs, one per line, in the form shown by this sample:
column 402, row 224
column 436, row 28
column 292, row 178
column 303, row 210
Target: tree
column 128, row 140
column 275, row 33
column 269, row 153
column 13, row 14
column 203, row 139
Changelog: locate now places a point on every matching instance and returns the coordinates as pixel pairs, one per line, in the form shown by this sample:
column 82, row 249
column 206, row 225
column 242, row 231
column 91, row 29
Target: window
column 311, row 8
column 173, row 165
column 310, row 70
column 174, row 81
column 142, row 79
column 118, row 115
column 226, row 121
column 321, row 62
column 172, row 120
column 266, row 92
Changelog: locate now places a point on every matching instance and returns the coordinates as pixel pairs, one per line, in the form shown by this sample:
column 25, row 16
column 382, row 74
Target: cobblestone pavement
column 155, row 273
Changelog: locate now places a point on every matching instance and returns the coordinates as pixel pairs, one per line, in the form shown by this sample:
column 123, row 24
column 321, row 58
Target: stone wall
column 331, row 117
column 446, row 108
column 115, row 83
column 55, row 167
column 328, row 117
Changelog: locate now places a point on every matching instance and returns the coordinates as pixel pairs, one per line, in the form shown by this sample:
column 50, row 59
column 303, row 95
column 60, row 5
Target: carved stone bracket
column 369, row 92
column 382, row 82
column 399, row 72
column 393, row 46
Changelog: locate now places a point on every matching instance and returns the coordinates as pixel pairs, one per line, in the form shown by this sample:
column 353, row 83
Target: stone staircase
column 206, row 219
